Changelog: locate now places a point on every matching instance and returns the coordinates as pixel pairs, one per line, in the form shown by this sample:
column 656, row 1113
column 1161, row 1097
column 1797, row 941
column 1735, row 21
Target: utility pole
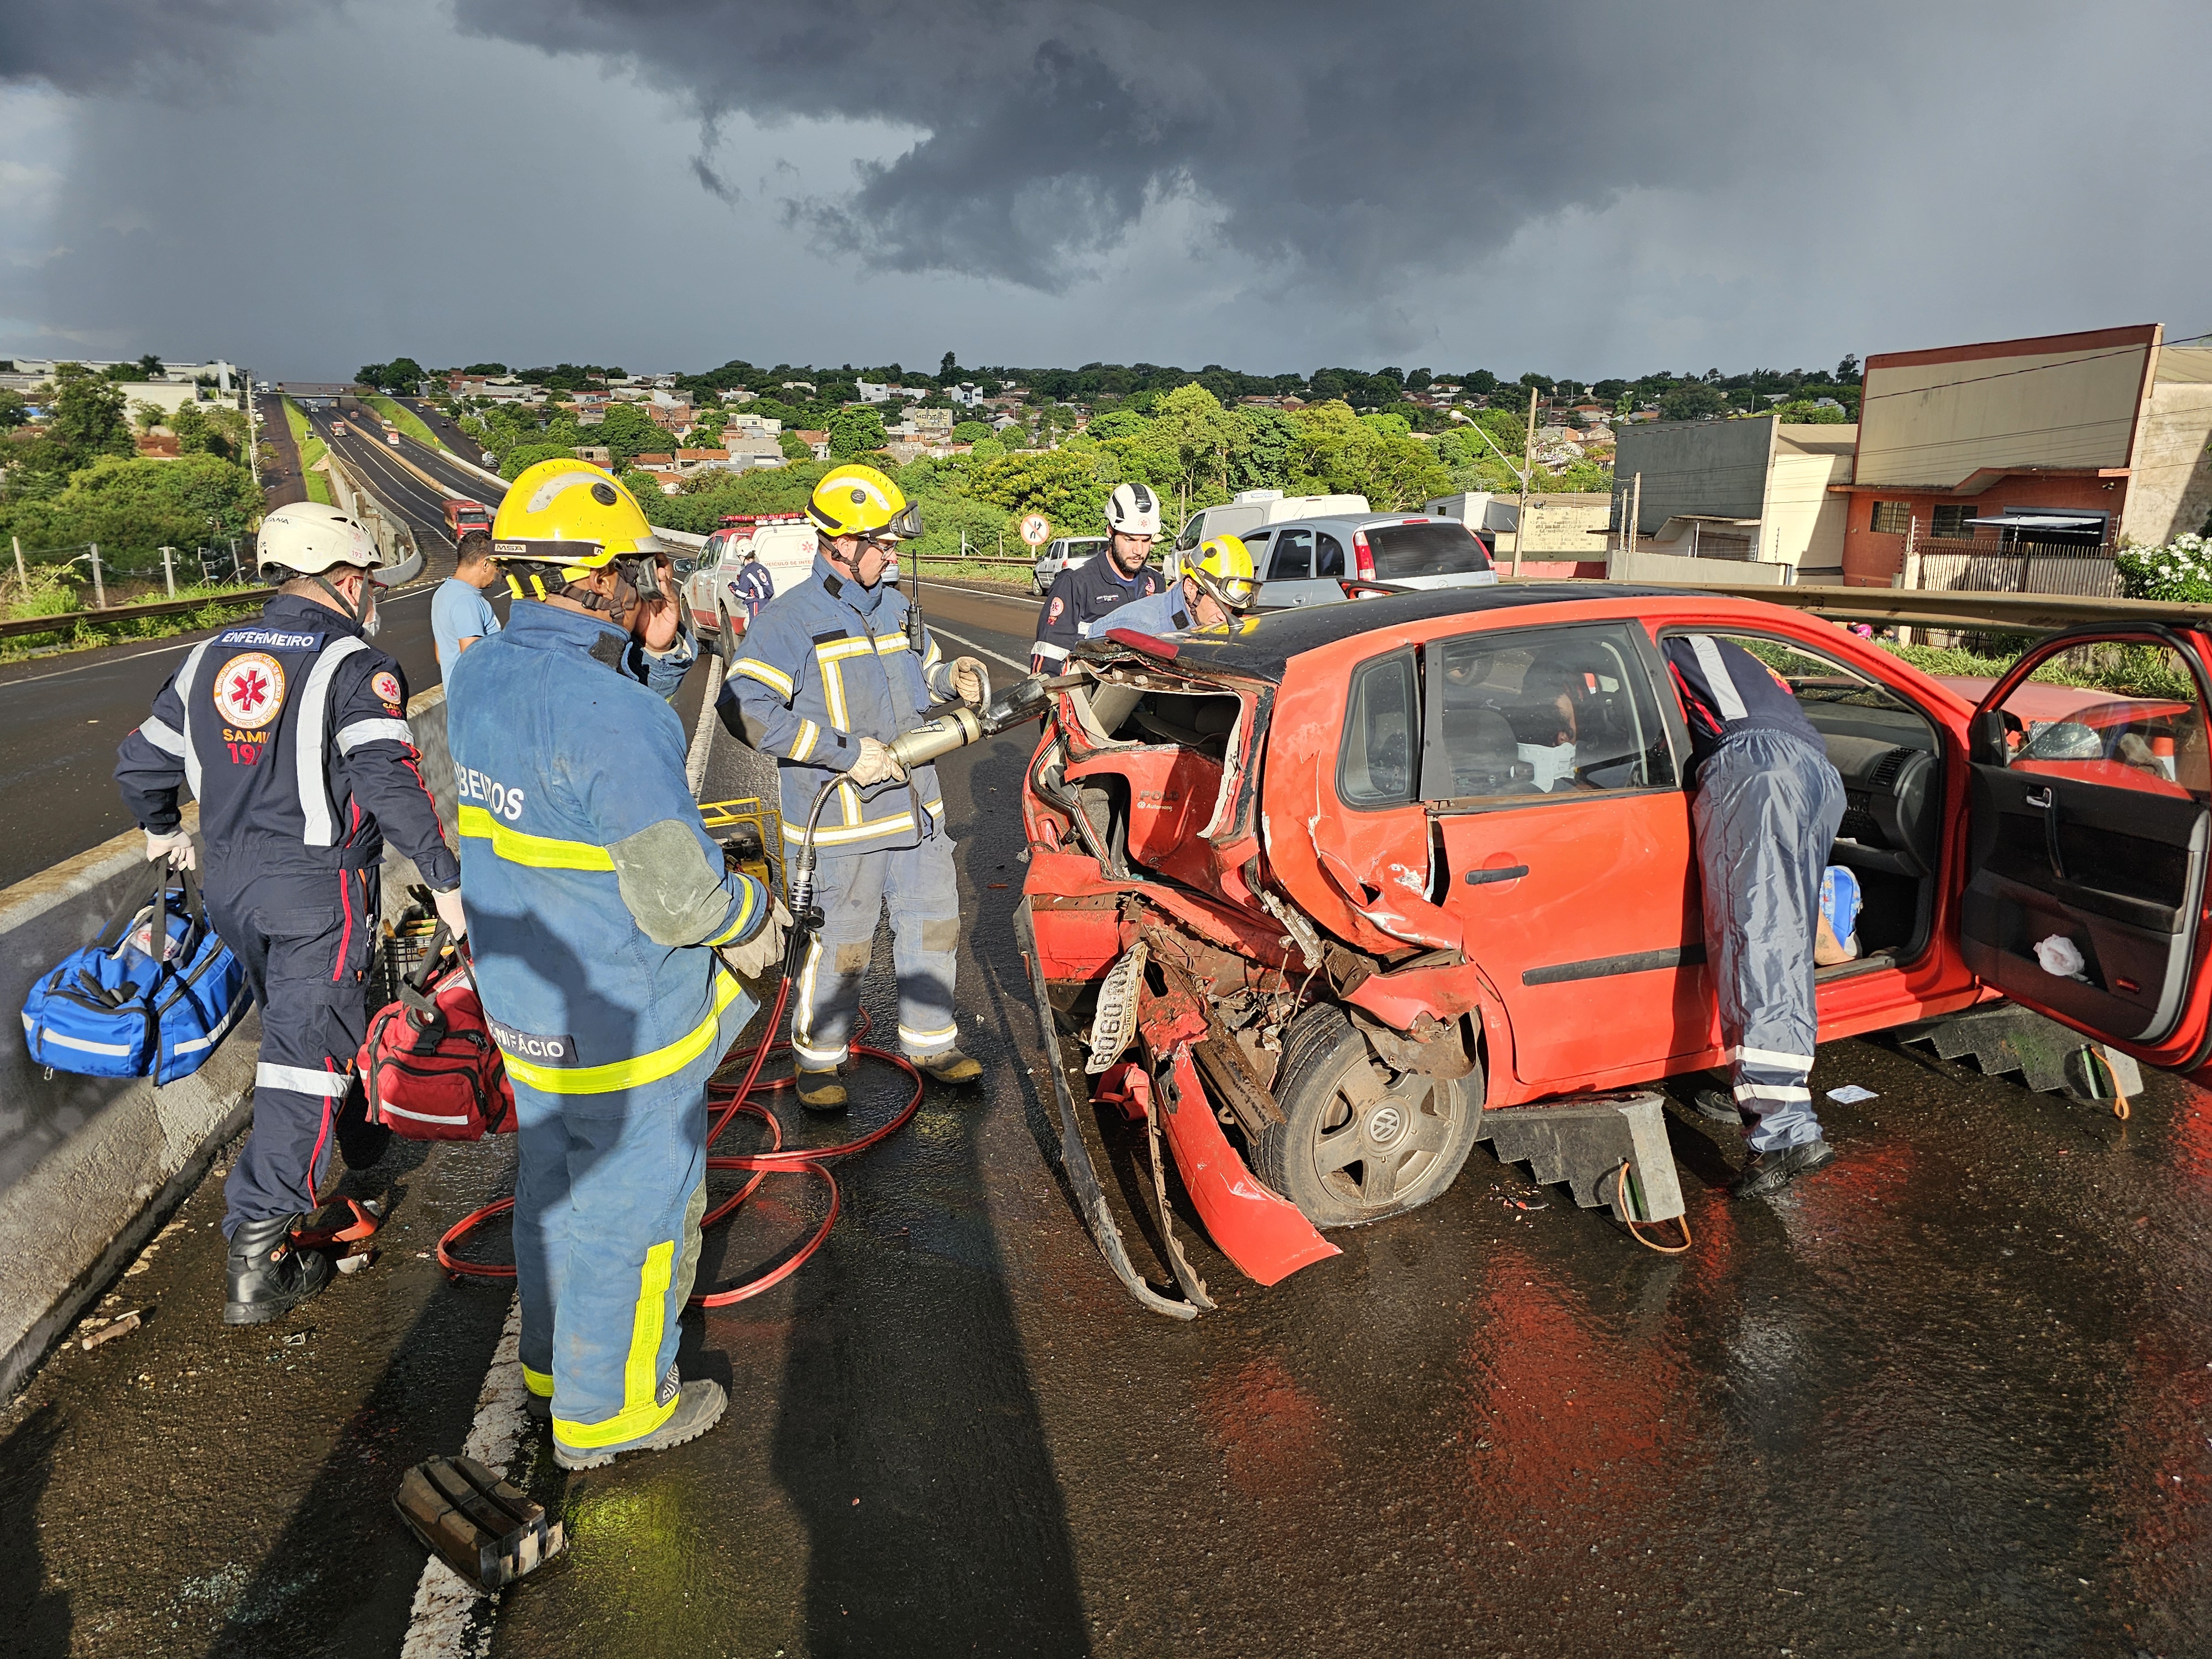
column 169, row 570
column 99, row 586
column 23, row 578
column 1528, row 460
column 1635, row 512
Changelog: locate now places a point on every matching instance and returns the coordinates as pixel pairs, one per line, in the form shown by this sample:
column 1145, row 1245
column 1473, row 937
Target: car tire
column 725, row 640
column 1358, row 1141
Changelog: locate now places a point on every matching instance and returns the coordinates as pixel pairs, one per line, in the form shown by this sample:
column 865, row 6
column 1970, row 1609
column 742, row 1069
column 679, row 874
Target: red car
column 1328, row 873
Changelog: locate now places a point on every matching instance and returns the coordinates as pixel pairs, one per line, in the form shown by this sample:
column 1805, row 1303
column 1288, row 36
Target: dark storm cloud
column 117, row 46
column 1330, row 132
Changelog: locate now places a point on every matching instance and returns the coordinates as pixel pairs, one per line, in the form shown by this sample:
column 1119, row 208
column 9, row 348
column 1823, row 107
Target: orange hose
column 1621, row 1203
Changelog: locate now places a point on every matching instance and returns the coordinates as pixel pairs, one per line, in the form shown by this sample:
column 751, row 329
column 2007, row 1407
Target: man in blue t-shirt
column 459, row 613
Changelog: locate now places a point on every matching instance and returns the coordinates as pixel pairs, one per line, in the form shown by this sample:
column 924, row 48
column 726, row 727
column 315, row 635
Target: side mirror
column 1985, row 738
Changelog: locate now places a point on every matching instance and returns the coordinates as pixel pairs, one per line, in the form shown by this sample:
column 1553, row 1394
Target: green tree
column 1694, row 400
column 522, row 457
column 646, row 489
column 1065, row 486
column 1805, row 412
column 970, row 432
column 89, row 418
column 1124, row 423
column 856, row 431
column 133, row 507
column 794, row 447
column 12, row 412
column 485, row 368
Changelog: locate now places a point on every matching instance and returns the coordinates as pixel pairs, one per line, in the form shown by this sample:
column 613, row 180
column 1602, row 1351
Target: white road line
column 954, row 585
column 452, row 1619
column 947, row 634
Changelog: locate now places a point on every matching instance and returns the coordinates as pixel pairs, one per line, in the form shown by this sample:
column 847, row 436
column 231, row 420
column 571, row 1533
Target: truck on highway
column 392, row 434
column 466, row 518
column 784, row 542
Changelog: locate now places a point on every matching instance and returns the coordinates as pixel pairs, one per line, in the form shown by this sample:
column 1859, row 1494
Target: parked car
column 784, row 542
column 1307, row 560
column 1063, row 554
column 1369, row 916
column 1256, row 509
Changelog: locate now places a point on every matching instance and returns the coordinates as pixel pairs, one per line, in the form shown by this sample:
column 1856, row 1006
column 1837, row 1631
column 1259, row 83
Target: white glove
column 875, row 765
column 753, row 960
column 176, row 847
column 968, row 681
column 449, row 912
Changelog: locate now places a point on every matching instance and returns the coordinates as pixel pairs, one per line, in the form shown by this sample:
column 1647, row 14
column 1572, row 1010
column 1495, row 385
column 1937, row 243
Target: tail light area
column 1363, row 554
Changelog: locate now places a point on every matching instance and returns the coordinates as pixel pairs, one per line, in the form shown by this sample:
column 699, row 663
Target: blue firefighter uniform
column 292, row 733
column 594, row 897
column 1077, row 601
column 1767, row 807
column 827, row 664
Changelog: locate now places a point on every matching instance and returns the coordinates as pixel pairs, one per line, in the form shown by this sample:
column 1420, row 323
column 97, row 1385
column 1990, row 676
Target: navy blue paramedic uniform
column 594, row 899
column 1078, row 599
column 826, row 664
column 292, row 733
column 753, row 587
column 1767, row 806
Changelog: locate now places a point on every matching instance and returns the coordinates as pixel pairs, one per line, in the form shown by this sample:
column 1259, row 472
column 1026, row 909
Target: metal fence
column 1995, row 567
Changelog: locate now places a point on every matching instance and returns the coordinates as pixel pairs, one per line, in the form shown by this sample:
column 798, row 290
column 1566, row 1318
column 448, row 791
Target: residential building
column 738, row 394
column 670, row 417
column 655, row 462
column 874, row 392
column 157, row 445
column 761, row 425
column 2079, row 440
column 596, row 454
column 750, row 451
column 966, row 395
column 817, row 441
column 1753, row 489
column 933, row 423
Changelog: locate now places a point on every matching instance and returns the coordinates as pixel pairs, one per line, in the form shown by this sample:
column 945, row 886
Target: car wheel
column 725, row 640
column 1358, row 1141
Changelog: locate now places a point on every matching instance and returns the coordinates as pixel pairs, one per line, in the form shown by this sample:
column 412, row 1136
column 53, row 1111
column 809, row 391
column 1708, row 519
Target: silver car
column 1306, row 561
column 1062, row 554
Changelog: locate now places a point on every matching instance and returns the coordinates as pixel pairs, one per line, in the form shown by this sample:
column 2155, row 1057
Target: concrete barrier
column 91, row 1167
column 1672, row 571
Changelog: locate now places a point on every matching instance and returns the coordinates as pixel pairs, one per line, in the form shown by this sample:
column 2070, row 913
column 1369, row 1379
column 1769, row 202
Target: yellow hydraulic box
column 752, row 837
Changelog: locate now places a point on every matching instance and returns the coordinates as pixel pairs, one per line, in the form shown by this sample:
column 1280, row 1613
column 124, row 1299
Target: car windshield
column 1437, row 548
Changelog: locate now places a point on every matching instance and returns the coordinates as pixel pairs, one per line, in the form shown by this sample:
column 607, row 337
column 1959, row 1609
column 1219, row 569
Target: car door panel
column 2065, row 846
column 1290, row 582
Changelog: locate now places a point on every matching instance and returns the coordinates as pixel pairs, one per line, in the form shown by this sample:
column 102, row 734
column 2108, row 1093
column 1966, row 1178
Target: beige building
column 1755, row 489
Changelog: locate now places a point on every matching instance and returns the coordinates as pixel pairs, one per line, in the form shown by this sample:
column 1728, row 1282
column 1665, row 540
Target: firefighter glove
column 875, row 765
column 755, row 958
column 968, row 681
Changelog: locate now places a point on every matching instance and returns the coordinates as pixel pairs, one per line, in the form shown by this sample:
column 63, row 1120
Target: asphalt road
column 1951, row 1397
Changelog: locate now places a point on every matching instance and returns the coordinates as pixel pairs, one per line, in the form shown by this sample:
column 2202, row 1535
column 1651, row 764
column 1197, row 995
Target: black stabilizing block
column 484, row 1529
column 1583, row 1139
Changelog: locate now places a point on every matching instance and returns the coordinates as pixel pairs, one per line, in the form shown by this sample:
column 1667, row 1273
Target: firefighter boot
column 266, row 1276
column 700, row 1404
column 820, row 1091
column 950, row 1067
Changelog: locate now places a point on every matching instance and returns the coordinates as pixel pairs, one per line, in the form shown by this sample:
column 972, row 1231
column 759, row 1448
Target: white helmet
column 308, row 538
column 1134, row 510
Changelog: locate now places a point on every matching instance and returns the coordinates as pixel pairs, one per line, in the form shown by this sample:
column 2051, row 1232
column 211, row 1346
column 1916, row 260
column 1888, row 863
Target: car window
column 1838, row 700
column 1442, row 547
column 1329, row 554
column 1382, row 734
column 1543, row 711
column 1293, row 559
column 2149, row 736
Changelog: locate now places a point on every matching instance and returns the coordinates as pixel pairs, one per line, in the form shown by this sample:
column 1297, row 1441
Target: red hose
column 801, row 1160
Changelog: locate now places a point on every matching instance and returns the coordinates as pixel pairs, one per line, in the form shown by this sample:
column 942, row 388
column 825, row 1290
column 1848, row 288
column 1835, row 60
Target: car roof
column 1264, row 643
column 1360, row 519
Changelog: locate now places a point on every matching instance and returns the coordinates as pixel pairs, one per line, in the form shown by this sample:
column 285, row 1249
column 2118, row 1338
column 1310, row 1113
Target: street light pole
column 1528, row 461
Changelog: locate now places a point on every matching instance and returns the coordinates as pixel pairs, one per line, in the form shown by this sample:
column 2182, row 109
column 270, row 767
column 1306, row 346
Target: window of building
column 1891, row 518
column 1951, row 519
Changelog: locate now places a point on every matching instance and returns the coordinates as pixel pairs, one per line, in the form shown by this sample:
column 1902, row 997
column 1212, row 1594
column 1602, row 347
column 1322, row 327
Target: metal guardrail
column 1966, row 610
column 66, row 622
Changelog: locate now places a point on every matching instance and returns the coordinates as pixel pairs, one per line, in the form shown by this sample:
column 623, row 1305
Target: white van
column 1256, row 508
column 783, row 542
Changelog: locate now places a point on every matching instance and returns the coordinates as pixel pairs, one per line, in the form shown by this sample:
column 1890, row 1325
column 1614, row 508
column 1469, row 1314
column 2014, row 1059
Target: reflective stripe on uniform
column 537, row 851
column 302, row 1080
column 1716, row 675
column 742, row 919
column 1771, row 1057
column 802, row 745
column 830, row 656
column 753, row 669
column 640, row 1068
column 1771, row 1091
column 928, row 1042
column 1049, row 652
column 864, row 829
column 316, row 807
column 158, row 732
column 539, row 1383
column 351, row 738
column 186, row 676
column 643, row 1412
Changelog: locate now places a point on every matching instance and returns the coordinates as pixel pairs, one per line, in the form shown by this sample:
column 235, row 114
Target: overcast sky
column 1586, row 189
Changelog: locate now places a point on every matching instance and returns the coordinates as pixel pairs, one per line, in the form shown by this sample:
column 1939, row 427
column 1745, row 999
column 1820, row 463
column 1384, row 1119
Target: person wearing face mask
column 292, row 733
column 613, row 950
column 832, row 672
column 1767, row 804
column 1215, row 588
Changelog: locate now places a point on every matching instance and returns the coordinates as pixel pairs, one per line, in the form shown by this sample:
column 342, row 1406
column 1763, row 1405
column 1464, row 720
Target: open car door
column 2090, row 832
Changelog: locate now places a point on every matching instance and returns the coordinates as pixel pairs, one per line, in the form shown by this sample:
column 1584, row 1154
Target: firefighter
column 830, row 676
column 1766, row 808
column 1116, row 576
column 1215, row 588
column 292, row 733
column 598, row 908
column 754, row 585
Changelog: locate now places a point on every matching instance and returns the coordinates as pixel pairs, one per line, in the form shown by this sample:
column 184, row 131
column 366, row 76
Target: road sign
column 1036, row 530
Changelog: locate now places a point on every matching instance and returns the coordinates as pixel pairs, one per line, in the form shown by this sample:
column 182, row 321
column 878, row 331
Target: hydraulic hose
column 728, row 1103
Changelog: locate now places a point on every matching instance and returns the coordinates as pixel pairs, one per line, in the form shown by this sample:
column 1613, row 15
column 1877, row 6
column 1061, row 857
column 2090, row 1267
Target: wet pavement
column 1949, row 1397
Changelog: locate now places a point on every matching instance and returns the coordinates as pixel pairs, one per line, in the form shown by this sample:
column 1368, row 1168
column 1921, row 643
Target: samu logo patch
column 385, row 685
column 249, row 690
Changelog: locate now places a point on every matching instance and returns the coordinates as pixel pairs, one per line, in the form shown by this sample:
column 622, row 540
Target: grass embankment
column 311, row 450
column 997, row 575
column 406, row 420
column 2134, row 671
column 47, row 595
